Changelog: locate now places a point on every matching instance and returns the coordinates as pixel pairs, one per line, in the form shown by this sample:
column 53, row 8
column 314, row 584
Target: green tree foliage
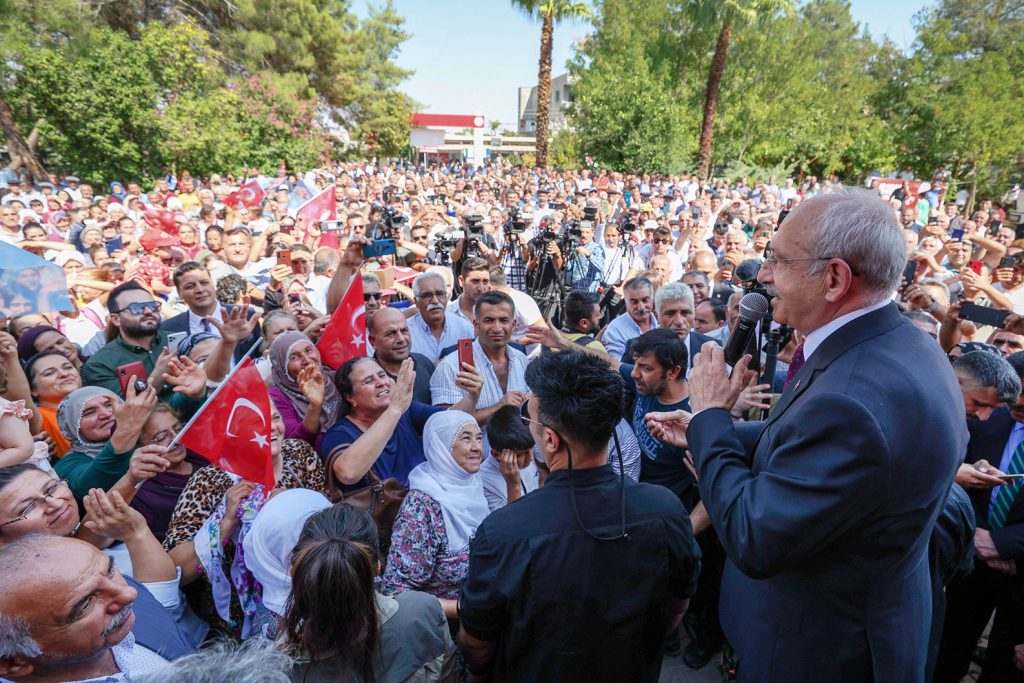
column 204, row 85
column 957, row 98
column 624, row 113
column 805, row 88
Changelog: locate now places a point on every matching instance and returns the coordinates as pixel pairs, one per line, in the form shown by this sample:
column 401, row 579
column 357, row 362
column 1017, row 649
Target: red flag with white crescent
column 344, row 336
column 160, row 218
column 233, row 429
column 322, row 207
column 250, row 194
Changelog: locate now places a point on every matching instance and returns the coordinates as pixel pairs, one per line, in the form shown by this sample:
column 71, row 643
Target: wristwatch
column 933, row 306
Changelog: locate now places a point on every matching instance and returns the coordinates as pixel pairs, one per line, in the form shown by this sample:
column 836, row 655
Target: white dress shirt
column 818, row 336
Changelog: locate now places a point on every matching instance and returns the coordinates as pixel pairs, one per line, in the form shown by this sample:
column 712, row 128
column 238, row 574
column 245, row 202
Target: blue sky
column 471, row 56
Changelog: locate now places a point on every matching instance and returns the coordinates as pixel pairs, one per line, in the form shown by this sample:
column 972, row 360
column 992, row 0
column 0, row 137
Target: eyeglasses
column 371, row 295
column 524, row 414
column 165, row 435
column 427, row 296
column 140, row 307
column 52, row 490
column 769, row 259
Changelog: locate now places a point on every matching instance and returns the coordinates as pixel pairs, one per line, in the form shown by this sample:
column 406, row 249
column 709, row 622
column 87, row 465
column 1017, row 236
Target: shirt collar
column 818, row 336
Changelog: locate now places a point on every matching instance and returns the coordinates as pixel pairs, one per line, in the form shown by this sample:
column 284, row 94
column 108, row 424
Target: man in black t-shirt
column 530, row 609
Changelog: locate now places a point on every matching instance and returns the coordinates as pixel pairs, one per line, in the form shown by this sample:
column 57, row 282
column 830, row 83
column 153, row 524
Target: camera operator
column 586, row 257
column 620, row 264
column 475, row 242
column 513, row 250
column 544, row 281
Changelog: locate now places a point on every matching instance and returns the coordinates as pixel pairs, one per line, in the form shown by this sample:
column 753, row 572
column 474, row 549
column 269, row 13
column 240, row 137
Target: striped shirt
column 444, row 392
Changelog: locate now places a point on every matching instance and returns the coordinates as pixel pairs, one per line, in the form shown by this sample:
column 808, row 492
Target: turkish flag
column 160, row 218
column 344, row 337
column 232, row 430
column 322, row 207
column 250, row 194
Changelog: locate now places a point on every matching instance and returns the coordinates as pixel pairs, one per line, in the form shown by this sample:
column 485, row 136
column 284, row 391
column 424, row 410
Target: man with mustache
column 135, row 314
column 639, row 316
column 67, row 614
column 434, row 327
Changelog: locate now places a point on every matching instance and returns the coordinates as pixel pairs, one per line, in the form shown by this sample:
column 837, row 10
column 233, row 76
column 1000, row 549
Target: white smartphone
column 174, row 339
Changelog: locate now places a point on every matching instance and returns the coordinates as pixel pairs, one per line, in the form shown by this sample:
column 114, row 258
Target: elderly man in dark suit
column 197, row 290
column 825, row 510
column 996, row 447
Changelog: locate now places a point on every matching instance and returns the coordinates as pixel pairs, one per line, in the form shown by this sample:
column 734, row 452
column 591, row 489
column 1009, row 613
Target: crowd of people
column 509, row 486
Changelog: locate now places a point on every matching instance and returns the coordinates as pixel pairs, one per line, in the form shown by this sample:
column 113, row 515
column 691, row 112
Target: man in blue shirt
column 586, row 265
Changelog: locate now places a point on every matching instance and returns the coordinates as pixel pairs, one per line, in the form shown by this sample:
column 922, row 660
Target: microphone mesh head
column 753, row 306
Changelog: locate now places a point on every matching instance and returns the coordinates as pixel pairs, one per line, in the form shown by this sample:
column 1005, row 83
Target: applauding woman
column 445, row 505
column 381, row 427
column 302, row 388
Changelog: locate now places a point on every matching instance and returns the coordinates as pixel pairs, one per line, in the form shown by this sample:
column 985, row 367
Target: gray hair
column 980, row 370
column 417, row 283
column 673, row 291
column 370, row 279
column 859, row 228
column 324, row 259
column 16, row 639
column 254, row 661
column 943, row 287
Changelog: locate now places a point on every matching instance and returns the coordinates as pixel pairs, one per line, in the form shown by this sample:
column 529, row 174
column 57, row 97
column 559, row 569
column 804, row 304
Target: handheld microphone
column 753, row 307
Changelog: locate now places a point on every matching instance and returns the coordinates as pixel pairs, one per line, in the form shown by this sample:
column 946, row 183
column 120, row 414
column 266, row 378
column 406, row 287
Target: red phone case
column 125, row 372
column 466, row 352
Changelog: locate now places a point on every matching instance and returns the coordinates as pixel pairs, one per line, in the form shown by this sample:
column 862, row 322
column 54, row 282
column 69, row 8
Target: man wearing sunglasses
column 135, row 316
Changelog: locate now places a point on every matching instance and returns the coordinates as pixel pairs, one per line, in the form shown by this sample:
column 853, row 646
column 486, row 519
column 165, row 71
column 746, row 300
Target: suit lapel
column 839, row 342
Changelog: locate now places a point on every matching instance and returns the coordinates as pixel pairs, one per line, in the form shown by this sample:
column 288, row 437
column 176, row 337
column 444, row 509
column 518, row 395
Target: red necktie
column 794, row 365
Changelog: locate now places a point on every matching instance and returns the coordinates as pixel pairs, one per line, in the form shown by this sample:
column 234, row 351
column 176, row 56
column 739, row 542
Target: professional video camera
column 571, row 237
column 626, row 225
column 515, row 225
column 590, row 213
column 390, row 221
column 474, row 226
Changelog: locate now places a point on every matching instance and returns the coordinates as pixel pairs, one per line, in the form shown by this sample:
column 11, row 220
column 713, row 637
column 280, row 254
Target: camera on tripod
column 626, row 225
column 590, row 214
column 515, row 225
column 571, row 238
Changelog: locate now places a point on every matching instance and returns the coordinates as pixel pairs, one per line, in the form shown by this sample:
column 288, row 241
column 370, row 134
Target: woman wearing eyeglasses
column 158, row 496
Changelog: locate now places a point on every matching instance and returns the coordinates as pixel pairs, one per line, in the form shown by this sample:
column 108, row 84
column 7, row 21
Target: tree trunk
column 711, row 101
column 544, row 89
column 19, row 150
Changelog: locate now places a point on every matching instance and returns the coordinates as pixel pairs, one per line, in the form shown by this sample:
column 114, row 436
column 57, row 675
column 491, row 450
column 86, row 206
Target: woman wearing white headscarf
column 445, row 505
column 268, row 549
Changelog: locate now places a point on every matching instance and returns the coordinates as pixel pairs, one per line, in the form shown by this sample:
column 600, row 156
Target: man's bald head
column 384, row 317
column 705, row 261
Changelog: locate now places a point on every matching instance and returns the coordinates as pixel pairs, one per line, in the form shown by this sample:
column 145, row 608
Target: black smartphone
column 933, row 220
column 984, row 315
column 909, row 271
column 1006, row 262
column 695, row 212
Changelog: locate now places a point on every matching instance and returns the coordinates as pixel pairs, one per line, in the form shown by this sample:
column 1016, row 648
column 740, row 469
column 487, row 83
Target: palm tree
column 548, row 11
column 724, row 15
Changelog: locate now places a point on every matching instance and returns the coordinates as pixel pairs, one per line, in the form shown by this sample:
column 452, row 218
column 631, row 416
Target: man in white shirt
column 433, row 328
column 196, row 289
column 10, row 230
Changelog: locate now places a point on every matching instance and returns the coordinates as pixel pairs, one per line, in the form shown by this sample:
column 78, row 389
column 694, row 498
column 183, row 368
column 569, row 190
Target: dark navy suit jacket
column 179, row 323
column 988, row 439
column 826, row 515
